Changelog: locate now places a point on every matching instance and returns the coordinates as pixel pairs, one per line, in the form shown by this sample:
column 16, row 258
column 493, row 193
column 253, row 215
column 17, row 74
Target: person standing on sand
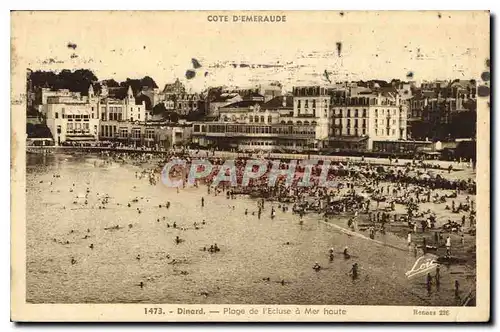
column 429, row 283
column 448, row 246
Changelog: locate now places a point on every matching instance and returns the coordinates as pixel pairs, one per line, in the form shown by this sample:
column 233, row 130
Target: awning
column 348, row 139
column 80, row 138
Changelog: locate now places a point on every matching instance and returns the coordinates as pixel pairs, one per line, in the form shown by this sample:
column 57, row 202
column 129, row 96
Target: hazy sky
column 382, row 45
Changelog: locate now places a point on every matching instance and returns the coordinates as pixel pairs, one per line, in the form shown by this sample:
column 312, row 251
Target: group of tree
column 80, row 80
column 160, row 109
column 76, row 81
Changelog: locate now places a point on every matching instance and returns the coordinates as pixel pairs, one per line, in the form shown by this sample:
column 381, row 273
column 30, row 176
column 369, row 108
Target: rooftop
column 277, row 103
column 243, row 104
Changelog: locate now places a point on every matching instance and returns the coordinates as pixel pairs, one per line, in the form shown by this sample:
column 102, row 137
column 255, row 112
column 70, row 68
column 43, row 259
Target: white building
column 115, row 108
column 72, row 117
column 360, row 121
column 312, row 104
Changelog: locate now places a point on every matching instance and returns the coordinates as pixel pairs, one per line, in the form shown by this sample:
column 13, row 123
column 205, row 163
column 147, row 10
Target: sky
column 347, row 46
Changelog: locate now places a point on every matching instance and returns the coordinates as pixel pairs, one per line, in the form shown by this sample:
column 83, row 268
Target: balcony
column 78, row 132
column 306, row 116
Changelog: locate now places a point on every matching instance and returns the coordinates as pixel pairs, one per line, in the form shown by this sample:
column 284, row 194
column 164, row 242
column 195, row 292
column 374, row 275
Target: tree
column 140, row 98
column 77, row 81
column 134, row 83
column 159, row 109
column 111, row 83
column 172, row 117
column 149, row 82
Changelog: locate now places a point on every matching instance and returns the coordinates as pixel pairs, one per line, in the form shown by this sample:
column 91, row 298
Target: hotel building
column 71, row 117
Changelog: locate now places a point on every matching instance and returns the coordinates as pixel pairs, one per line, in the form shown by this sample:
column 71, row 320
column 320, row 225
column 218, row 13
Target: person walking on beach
column 448, row 246
column 354, row 271
column 438, row 276
column 409, row 240
column 429, row 283
column 202, row 202
column 457, row 289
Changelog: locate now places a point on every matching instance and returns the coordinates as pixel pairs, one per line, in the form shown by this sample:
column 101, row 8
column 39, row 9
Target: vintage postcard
column 250, row 166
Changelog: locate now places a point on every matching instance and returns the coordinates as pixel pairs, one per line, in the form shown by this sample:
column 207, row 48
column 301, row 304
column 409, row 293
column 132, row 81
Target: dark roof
column 253, row 95
column 385, row 90
column 348, row 138
column 222, row 98
column 277, row 103
column 208, row 118
column 244, row 104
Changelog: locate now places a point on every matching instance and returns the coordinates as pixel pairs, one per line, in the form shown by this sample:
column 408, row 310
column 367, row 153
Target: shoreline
column 380, row 161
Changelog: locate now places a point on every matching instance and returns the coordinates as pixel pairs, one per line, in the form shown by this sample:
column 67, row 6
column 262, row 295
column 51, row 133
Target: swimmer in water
column 91, row 246
column 138, row 257
column 175, row 225
column 73, row 261
column 316, row 267
column 346, row 254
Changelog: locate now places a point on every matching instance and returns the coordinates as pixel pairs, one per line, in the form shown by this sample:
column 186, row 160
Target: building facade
column 360, row 121
column 72, row 118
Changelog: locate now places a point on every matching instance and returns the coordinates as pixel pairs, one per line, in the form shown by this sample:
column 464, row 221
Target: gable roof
column 277, row 103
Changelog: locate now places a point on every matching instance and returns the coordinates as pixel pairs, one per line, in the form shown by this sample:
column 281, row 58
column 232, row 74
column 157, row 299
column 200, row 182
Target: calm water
column 251, row 249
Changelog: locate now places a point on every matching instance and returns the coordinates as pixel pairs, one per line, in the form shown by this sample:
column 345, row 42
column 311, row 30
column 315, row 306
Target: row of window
column 273, row 143
column 73, row 116
column 362, row 113
column 113, row 108
column 77, row 126
column 300, row 123
column 256, row 119
column 246, row 129
column 110, row 131
column 382, row 132
column 313, row 103
column 355, row 132
column 355, row 122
